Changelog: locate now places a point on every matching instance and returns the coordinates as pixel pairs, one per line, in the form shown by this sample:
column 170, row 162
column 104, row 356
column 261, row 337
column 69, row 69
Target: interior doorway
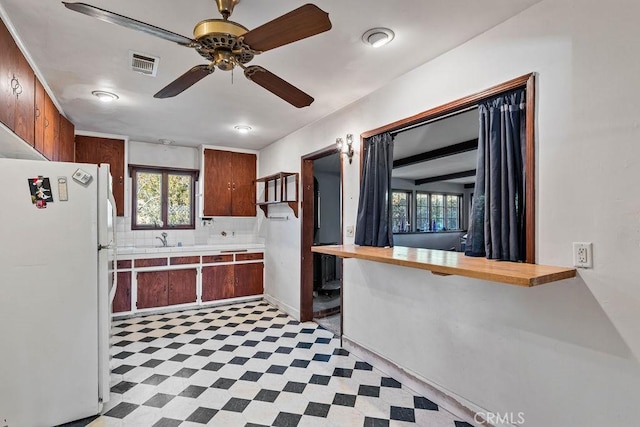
column 321, row 278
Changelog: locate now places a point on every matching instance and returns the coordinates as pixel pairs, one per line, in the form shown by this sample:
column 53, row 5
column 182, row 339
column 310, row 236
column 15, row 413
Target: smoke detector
column 143, row 63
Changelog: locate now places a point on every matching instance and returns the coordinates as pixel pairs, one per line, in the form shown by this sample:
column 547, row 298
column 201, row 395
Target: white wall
column 565, row 353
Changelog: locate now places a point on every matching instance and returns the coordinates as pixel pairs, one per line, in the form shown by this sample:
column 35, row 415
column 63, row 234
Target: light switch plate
column 349, row 230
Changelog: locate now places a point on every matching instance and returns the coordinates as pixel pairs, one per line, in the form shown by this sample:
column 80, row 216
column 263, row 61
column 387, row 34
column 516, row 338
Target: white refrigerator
column 57, row 252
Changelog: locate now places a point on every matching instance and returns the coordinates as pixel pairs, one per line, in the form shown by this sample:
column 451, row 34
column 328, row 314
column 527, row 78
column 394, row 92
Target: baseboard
column 447, row 400
column 295, row 313
column 185, row 307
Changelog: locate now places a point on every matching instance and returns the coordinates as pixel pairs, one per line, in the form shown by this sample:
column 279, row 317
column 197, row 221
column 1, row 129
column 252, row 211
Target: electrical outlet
column 583, row 254
column 349, row 230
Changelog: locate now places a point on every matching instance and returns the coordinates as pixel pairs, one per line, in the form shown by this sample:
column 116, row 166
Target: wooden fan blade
column 114, row 18
column 277, row 86
column 185, row 81
column 303, row 22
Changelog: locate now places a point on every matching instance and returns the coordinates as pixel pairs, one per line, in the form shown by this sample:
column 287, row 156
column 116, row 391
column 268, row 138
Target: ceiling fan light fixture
column 242, row 128
column 377, row 37
column 105, row 96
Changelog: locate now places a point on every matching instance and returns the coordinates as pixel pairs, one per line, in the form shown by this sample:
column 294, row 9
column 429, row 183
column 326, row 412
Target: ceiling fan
column 227, row 44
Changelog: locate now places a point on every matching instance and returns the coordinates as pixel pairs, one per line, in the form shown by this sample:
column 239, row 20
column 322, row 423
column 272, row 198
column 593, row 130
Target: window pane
column 422, row 212
column 179, row 200
column 400, row 216
column 149, row 198
column 437, row 212
column 453, row 210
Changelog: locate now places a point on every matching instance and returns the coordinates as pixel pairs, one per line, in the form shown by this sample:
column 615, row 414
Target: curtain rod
column 435, row 119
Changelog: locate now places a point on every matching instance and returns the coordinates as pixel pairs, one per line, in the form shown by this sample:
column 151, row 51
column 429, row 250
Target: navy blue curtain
column 373, row 224
column 497, row 226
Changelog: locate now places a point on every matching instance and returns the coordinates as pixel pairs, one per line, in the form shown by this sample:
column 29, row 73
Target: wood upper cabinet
column 229, row 183
column 51, row 128
column 90, row 149
column 66, row 143
column 38, row 117
column 17, row 88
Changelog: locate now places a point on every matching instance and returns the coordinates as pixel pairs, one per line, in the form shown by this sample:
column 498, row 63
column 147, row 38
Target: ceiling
column 76, row 54
column 441, row 133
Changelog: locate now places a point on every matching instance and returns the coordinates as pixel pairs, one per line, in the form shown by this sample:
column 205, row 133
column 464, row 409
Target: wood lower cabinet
column 153, row 289
column 229, row 183
column 89, row 149
column 182, row 286
column 217, row 282
column 232, row 280
column 122, row 299
column 168, row 287
column 249, row 279
column 39, row 117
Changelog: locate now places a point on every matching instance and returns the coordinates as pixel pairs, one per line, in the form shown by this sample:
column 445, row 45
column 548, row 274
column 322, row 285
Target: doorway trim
column 306, row 256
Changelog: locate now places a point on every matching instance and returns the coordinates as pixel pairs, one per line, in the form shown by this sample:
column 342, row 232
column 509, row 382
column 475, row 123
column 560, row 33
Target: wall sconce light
column 346, row 149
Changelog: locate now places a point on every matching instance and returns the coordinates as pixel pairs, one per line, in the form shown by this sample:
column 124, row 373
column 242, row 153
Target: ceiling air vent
column 145, row 64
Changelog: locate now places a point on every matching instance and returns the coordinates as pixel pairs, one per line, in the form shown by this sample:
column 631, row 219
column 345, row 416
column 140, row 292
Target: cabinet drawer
column 216, row 258
column 151, row 262
column 124, row 264
column 248, row 257
column 185, row 260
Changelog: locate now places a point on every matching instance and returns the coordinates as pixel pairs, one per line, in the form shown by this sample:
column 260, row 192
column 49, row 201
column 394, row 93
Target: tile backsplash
column 214, row 231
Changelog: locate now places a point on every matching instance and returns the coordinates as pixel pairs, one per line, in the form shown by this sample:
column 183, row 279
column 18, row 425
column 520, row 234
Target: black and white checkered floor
column 250, row 365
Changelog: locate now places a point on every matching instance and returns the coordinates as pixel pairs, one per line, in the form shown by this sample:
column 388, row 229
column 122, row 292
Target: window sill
column 445, row 263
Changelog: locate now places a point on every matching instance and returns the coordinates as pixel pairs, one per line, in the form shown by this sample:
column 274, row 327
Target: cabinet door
column 217, row 282
column 249, row 279
column 89, row 149
column 25, row 102
column 51, row 128
column 153, row 289
column 243, row 187
column 8, row 54
column 67, row 141
column 122, row 299
column 217, row 182
column 38, row 134
column 182, row 286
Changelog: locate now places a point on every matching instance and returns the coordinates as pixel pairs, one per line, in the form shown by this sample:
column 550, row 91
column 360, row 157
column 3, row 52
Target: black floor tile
column 403, row 414
column 294, row 387
column 390, row 382
column 122, row 387
column 266, row 395
column 369, row 390
column 223, row 383
column 344, row 399
column 193, row 391
column 317, row 409
column 286, row 419
column 420, row 402
column 185, row 373
column 277, row 369
column 159, row 400
column 155, row 379
column 319, row 379
column 121, row 410
column 152, row 363
column 167, row 422
column 236, row 405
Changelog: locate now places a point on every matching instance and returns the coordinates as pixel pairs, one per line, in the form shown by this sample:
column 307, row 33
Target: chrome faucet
column 163, row 239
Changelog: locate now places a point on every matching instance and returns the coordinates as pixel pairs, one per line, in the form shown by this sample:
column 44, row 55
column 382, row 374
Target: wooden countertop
column 447, row 263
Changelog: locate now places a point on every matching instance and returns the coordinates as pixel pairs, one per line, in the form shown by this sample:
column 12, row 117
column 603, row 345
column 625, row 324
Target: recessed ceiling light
column 242, row 128
column 105, row 96
column 377, row 37
column 166, row 141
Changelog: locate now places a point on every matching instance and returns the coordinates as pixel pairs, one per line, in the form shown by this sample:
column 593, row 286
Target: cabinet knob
column 37, row 112
column 120, row 180
column 228, row 185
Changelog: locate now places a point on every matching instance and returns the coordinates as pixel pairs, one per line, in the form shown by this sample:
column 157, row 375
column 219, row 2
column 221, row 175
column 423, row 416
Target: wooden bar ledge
column 445, row 263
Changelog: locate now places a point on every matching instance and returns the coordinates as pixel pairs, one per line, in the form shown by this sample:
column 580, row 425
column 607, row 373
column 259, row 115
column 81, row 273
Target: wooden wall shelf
column 446, row 263
column 281, row 180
